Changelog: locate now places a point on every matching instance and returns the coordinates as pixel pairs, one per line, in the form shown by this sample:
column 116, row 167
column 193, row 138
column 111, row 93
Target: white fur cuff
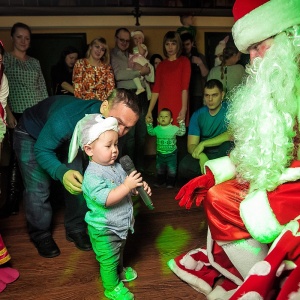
column 222, row 168
column 259, row 218
column 290, row 174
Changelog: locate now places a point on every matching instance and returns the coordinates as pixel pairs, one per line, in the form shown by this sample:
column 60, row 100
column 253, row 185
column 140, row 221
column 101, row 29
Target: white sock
column 244, row 254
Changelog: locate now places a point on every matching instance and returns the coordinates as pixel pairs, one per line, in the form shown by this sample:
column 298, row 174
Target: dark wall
column 47, row 49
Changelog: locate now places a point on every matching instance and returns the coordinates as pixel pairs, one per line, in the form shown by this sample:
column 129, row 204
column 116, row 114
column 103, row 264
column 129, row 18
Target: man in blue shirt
column 207, row 136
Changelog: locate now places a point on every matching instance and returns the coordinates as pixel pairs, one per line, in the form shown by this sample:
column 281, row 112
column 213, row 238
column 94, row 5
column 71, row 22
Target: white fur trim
column 259, row 218
column 292, row 226
column 195, row 282
column 290, row 174
column 261, row 268
column 190, row 263
column 265, row 21
column 286, row 265
column 220, row 293
column 251, row 296
column 218, row 267
column 222, row 168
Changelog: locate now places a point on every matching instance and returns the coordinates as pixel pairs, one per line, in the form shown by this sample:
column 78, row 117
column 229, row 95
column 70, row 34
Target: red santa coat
column 232, row 215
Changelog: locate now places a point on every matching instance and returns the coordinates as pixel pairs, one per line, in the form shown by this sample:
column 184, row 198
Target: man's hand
column 181, row 115
column 198, row 150
column 144, row 70
column 197, row 60
column 202, row 160
column 149, row 118
column 180, row 120
column 10, row 120
column 72, row 181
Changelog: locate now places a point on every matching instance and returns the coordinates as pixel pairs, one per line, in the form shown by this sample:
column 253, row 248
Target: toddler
column 166, row 149
column 107, row 190
column 140, row 52
column 187, row 25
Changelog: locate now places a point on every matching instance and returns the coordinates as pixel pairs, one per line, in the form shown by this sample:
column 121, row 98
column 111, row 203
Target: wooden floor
column 160, row 235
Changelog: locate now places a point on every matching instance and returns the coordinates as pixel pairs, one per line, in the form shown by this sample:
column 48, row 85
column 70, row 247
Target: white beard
column 262, row 116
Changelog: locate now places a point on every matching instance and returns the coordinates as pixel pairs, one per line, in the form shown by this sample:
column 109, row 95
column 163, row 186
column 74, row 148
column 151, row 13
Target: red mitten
column 195, row 189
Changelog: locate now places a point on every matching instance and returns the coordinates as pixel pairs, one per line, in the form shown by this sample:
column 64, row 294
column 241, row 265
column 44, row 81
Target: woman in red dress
column 172, row 79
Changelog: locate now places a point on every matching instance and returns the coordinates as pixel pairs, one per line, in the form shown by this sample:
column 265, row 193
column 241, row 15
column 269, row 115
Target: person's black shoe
column 47, row 247
column 80, row 239
column 158, row 184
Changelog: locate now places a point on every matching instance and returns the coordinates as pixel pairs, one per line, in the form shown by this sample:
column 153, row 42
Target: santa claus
column 252, row 198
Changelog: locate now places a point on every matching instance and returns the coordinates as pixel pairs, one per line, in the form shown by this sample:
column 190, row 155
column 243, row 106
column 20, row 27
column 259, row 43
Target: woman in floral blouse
column 93, row 77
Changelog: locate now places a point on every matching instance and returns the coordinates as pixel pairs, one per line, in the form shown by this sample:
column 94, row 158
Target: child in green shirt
column 166, row 149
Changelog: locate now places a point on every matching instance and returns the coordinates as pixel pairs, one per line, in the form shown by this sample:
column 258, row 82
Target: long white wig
column 264, row 111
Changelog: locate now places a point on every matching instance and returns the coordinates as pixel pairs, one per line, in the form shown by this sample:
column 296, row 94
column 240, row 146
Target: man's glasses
column 123, row 41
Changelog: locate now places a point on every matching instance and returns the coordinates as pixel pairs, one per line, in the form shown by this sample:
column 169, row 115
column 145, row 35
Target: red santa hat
column 257, row 20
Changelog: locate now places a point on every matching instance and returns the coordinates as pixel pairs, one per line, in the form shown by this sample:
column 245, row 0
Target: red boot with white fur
column 281, row 264
column 195, row 269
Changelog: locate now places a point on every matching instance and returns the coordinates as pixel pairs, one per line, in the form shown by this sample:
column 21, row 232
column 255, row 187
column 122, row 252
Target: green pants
column 108, row 248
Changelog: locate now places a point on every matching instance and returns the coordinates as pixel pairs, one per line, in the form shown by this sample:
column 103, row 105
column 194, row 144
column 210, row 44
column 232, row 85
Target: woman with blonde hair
column 93, row 77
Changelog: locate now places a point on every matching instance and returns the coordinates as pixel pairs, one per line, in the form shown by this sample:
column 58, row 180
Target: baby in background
column 140, row 53
column 166, row 148
column 187, row 21
column 107, row 191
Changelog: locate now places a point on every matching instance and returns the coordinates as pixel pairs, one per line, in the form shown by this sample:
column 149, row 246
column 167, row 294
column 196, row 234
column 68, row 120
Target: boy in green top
column 166, row 149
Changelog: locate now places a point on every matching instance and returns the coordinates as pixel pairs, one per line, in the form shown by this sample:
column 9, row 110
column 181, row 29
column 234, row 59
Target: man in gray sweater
column 136, row 138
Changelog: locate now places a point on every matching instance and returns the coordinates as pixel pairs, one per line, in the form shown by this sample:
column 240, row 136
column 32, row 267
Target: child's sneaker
column 128, row 274
column 119, row 293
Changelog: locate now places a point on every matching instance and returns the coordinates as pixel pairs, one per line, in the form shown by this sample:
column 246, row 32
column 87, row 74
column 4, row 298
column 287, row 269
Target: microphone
column 128, row 166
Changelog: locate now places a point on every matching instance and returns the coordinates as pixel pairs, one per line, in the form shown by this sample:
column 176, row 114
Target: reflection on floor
column 160, row 234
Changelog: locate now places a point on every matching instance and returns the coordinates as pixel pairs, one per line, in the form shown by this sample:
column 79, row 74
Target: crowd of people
column 251, row 114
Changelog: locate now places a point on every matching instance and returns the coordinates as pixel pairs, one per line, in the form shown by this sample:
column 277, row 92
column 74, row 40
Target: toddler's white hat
column 87, row 130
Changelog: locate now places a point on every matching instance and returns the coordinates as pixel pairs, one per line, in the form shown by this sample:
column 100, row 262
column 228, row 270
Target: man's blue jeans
column 37, row 183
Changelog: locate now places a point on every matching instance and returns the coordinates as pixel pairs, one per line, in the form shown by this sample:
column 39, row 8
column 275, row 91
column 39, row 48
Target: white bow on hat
column 87, row 130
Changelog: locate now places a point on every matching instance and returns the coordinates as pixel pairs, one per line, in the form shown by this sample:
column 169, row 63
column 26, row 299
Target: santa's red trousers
column 222, row 207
